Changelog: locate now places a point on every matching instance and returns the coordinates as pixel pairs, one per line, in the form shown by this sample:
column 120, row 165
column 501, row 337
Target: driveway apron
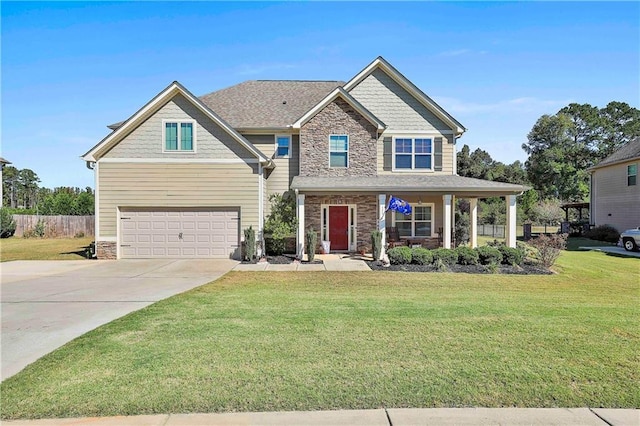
column 46, row 304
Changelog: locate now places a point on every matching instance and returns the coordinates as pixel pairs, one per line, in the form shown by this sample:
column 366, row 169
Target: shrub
column 249, row 244
column 603, row 233
column 549, row 247
column 39, row 229
column 312, row 240
column 488, row 255
column 447, row 256
column 421, row 256
column 281, row 222
column 440, row 266
column 467, row 256
column 376, row 244
column 530, row 254
column 399, row 255
column 7, row 224
column 511, row 255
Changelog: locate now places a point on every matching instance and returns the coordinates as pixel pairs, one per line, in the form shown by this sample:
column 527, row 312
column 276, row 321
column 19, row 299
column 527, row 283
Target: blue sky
column 69, row 69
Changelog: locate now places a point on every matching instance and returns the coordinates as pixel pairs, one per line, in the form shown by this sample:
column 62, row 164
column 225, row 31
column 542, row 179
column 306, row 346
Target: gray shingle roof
column 403, row 183
column 3, row 161
column 629, row 151
column 267, row 103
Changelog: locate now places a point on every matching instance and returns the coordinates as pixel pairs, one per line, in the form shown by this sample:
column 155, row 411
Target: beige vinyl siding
column 176, row 185
column 447, row 153
column 616, row 203
column 394, row 105
column 211, row 141
column 278, row 180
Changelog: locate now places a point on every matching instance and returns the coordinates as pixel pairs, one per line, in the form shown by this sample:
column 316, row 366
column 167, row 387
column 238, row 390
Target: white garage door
column 177, row 233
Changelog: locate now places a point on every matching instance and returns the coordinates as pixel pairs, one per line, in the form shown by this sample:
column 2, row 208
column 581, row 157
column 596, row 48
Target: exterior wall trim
column 180, row 160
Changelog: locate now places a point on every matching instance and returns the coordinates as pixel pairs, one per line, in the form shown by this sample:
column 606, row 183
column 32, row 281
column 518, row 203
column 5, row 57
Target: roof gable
column 153, row 106
column 629, row 151
column 339, row 92
column 426, row 101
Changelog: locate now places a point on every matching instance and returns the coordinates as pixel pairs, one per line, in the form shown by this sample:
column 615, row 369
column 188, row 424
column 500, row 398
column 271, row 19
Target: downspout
column 261, row 208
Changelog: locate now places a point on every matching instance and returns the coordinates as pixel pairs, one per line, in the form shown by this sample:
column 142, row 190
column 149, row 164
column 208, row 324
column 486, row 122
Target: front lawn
column 310, row 341
column 15, row 248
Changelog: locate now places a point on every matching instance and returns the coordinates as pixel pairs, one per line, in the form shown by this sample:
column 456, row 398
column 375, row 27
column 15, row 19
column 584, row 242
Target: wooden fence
column 56, row 226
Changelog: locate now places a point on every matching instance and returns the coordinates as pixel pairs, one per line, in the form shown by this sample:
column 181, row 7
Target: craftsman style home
column 615, row 190
column 184, row 175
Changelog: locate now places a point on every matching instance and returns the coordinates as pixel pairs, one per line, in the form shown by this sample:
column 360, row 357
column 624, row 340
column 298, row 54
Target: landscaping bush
column 312, row 241
column 249, row 244
column 549, row 247
column 399, row 255
column 603, row 233
column 421, row 256
column 530, row 254
column 376, row 244
column 467, row 256
column 7, row 224
column 488, row 255
column 511, row 255
column 447, row 256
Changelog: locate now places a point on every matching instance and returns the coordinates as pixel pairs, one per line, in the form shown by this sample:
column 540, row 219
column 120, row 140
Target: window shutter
column 387, row 152
column 437, row 154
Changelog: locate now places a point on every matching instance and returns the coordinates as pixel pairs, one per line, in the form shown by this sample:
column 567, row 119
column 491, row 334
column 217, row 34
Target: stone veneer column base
column 106, row 249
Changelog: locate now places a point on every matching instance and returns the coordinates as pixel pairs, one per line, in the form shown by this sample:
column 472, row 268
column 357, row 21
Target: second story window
column 283, row 146
column 338, row 151
column 413, row 153
column 178, row 136
column 632, row 174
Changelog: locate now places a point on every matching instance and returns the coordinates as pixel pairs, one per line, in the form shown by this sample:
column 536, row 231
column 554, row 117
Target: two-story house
column 183, row 176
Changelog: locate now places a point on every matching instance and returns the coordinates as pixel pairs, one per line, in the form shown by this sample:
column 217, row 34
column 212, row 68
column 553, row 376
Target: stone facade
column 338, row 118
column 366, row 214
column 106, row 249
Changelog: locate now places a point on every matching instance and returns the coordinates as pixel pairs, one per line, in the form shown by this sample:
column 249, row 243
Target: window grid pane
column 423, row 146
column 171, row 136
column 186, row 136
column 403, row 161
column 283, row 146
column 338, row 159
column 423, row 161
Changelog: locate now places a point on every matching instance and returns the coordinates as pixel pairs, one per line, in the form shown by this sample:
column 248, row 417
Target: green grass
column 15, row 248
column 310, row 341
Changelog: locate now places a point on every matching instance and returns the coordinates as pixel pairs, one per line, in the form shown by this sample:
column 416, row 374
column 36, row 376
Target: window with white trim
column 283, row 146
column 417, row 224
column 338, row 151
column 632, row 174
column 178, row 136
column 413, row 153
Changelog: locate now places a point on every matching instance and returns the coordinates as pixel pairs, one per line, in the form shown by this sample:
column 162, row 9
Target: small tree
column 249, row 244
column 547, row 212
column 281, row 222
column 312, row 240
column 376, row 244
column 549, row 247
column 461, row 232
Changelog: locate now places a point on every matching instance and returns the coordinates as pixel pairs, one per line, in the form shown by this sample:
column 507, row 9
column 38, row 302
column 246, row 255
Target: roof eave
column 614, row 163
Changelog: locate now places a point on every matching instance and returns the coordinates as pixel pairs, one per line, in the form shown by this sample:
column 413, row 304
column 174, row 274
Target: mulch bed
column 465, row 269
column 285, row 260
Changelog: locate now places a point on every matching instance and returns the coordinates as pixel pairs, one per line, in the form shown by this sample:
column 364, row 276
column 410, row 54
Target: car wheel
column 629, row 244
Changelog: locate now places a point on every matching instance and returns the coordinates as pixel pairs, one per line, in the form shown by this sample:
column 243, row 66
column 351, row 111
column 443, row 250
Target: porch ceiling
column 437, row 184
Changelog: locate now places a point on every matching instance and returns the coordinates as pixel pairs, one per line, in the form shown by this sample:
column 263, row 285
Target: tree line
column 22, row 193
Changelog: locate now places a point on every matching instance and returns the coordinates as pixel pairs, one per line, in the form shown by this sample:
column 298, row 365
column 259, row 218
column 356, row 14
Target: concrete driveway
column 46, row 304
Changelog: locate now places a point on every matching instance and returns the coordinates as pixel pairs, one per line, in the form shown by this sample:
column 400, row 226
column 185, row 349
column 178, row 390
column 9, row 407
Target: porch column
column 300, row 235
column 382, row 221
column 473, row 212
column 510, row 239
column 453, row 221
column 446, row 221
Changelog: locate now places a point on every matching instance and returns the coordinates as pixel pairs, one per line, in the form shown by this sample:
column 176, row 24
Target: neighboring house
column 2, row 164
column 615, row 190
column 184, row 176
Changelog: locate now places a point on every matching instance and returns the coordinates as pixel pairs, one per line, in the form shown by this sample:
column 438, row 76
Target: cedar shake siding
column 176, row 185
column 338, row 118
column 211, row 141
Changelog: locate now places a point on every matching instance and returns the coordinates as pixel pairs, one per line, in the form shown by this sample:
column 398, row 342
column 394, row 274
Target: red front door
column 339, row 227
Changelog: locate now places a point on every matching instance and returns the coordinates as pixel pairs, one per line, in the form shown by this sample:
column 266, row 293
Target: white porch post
column 473, row 210
column 446, row 221
column 453, row 220
column 382, row 222
column 300, row 235
column 510, row 239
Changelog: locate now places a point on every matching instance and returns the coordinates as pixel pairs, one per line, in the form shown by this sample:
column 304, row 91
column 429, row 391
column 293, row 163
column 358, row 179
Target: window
column 338, row 151
column 632, row 174
column 178, row 136
column 283, row 144
column 413, row 153
column 417, row 224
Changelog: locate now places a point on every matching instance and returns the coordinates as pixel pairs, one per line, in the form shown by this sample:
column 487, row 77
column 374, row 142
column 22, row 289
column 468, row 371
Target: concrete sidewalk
column 379, row 417
column 330, row 262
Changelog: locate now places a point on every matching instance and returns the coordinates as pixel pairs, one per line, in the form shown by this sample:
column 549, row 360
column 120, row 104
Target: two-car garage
column 179, row 232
